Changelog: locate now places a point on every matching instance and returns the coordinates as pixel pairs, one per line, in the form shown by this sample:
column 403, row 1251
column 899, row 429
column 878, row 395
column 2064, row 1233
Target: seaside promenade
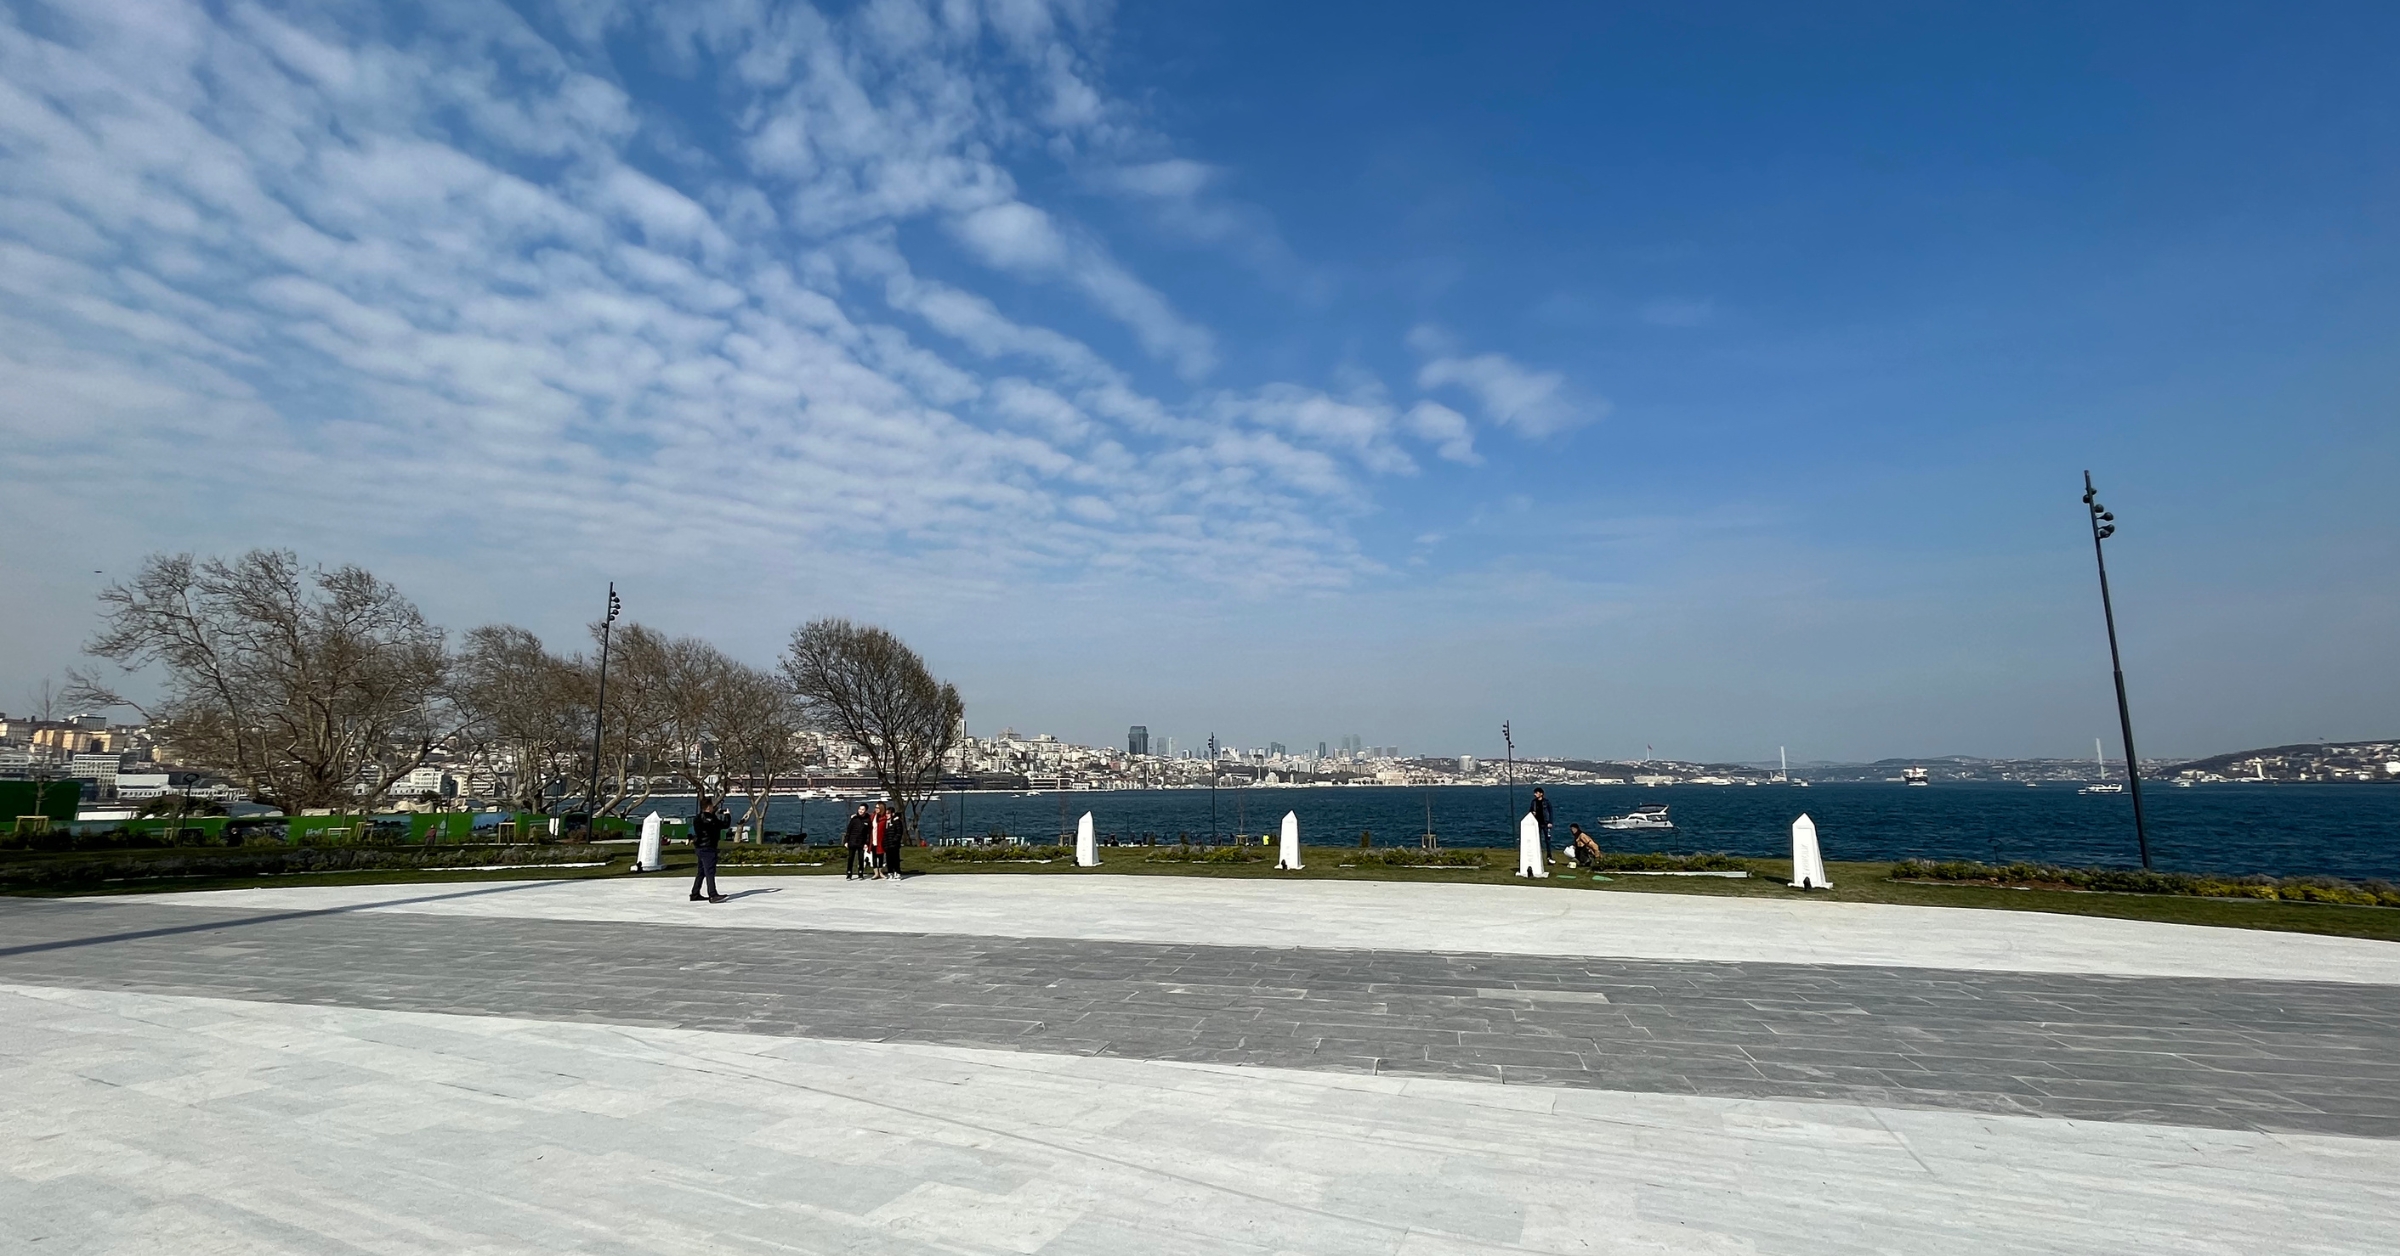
column 1115, row 1064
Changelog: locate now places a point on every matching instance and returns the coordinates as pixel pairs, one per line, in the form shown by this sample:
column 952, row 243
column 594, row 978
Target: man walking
column 854, row 837
column 1540, row 811
column 708, row 829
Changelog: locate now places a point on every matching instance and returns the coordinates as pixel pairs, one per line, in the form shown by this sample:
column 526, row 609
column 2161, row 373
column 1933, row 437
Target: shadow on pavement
column 171, row 930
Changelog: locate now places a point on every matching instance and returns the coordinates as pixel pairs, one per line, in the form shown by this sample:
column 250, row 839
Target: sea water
column 2282, row 830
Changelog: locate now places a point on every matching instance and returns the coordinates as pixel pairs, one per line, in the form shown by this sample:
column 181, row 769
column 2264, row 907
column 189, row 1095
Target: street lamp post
column 1508, row 739
column 2104, row 526
column 591, row 820
column 1212, row 789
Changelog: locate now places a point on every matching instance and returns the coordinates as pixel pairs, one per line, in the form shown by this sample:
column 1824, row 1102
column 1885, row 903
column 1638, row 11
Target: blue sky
column 1705, row 377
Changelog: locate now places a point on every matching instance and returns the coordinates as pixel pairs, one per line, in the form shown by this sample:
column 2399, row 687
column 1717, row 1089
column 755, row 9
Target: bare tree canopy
column 760, row 722
column 312, row 687
column 863, row 684
column 524, row 711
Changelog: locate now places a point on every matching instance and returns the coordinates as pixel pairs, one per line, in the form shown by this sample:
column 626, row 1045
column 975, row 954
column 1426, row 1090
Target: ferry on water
column 2106, row 786
column 1648, row 816
column 1915, row 776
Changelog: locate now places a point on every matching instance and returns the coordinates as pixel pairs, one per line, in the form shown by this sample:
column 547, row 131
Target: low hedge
column 1404, row 857
column 267, row 860
column 1658, row 861
column 997, row 854
column 2135, row 881
column 1207, row 855
column 753, row 855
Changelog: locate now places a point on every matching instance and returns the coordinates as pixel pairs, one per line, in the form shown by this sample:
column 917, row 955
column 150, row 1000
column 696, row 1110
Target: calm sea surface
column 2284, row 830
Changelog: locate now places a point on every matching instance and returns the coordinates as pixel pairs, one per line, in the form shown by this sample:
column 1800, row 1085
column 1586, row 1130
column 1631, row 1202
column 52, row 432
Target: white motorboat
column 2105, row 786
column 1648, row 816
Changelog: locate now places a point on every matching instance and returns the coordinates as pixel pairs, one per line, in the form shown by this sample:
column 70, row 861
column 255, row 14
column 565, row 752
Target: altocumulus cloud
column 387, row 260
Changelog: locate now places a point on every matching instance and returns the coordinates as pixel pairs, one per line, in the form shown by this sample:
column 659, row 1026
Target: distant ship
column 1650, row 816
column 1915, row 776
column 2105, row 786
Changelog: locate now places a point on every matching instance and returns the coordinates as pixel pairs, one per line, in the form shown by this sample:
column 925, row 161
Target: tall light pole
column 1509, row 740
column 1212, row 789
column 2104, row 526
column 591, row 819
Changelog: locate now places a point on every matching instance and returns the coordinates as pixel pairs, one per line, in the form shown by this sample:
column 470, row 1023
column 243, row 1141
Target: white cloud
column 432, row 298
column 1016, row 237
column 1446, row 428
column 1536, row 403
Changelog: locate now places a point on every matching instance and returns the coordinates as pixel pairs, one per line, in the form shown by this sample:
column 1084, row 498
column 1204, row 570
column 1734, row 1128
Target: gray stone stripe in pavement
column 2275, row 1056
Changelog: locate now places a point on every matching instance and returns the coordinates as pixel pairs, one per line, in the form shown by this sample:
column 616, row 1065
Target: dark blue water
column 2282, row 830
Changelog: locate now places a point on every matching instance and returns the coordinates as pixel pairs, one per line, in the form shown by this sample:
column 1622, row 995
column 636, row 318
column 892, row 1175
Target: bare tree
column 311, row 687
column 636, row 736
column 524, row 711
column 760, row 723
column 863, row 684
column 691, row 677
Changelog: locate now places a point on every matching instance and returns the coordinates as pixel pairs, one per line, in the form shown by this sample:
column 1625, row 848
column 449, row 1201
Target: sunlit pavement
column 1120, row 1064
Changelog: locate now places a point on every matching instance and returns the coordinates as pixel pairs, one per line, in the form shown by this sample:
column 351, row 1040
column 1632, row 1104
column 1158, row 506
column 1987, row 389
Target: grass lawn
column 1853, row 883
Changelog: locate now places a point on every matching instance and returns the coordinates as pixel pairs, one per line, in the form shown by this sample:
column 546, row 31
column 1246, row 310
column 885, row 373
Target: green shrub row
column 2133, row 881
column 1404, row 857
column 750, row 855
column 1657, row 861
column 1207, row 855
column 996, row 854
column 277, row 858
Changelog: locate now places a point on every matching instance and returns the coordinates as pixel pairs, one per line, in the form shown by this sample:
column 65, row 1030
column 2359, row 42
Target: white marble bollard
column 1289, row 857
column 1529, row 848
column 1087, row 847
column 1808, row 867
column 646, row 858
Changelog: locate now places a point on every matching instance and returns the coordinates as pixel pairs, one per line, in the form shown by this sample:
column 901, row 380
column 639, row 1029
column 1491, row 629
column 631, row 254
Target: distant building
column 1466, row 763
column 1137, row 739
column 1275, row 750
column 1322, row 753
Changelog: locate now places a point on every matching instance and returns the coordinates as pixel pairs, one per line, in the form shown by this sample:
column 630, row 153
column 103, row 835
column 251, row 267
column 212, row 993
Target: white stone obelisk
column 1087, row 847
column 646, row 858
column 1808, row 866
column 1289, row 857
column 1529, row 848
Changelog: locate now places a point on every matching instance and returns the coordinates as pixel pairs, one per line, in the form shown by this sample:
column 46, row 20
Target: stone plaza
column 1123, row 1064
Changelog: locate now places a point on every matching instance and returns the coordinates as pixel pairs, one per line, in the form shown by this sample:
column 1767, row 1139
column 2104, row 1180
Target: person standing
column 875, row 827
column 895, row 835
column 854, row 838
column 708, row 829
column 1540, row 811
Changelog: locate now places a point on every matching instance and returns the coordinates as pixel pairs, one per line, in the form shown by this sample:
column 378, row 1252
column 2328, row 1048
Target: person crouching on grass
column 708, row 829
column 1582, row 849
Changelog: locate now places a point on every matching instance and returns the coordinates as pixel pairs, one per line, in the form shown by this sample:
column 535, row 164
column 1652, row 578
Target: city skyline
column 1710, row 381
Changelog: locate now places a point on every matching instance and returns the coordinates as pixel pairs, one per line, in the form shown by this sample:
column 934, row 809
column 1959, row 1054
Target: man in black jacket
column 1540, row 811
column 708, row 829
column 854, row 837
